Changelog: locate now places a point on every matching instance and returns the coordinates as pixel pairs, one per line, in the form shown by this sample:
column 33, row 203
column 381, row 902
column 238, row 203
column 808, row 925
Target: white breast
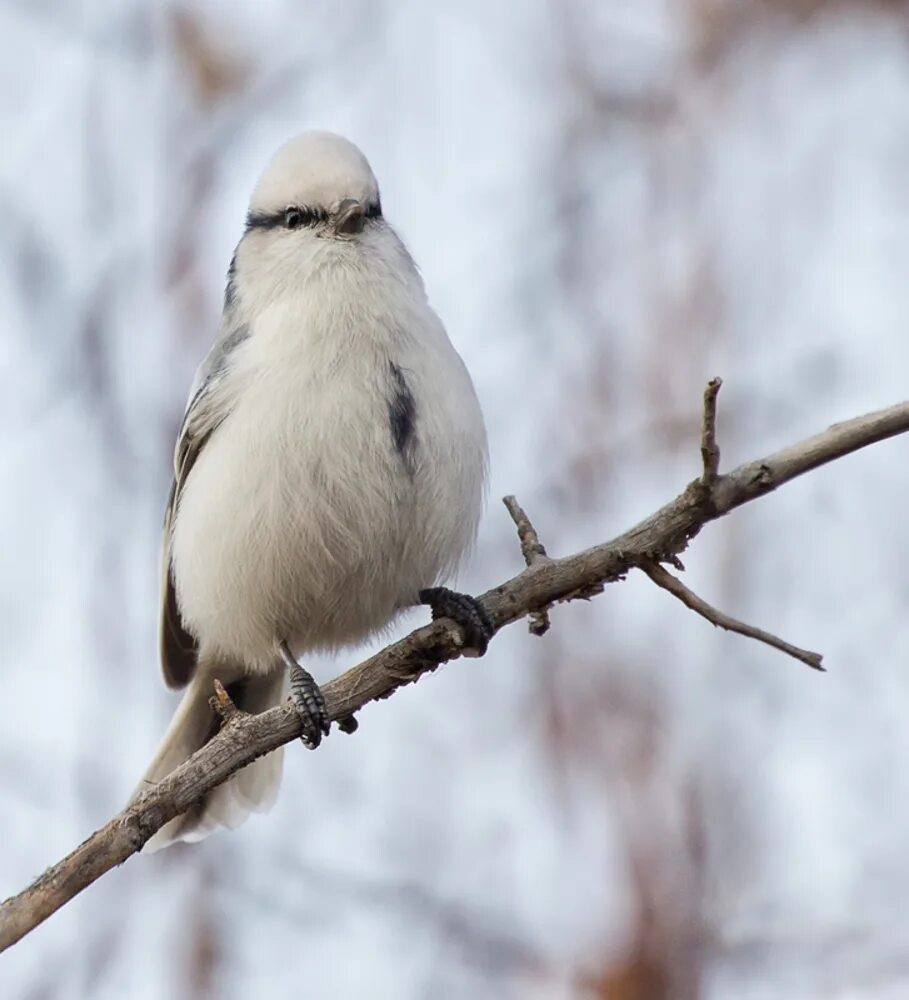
column 300, row 520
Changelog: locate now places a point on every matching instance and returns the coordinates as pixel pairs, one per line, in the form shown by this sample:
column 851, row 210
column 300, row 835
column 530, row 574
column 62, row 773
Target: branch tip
column 533, row 550
column 668, row 582
column 222, row 703
column 710, row 451
column 538, row 622
column 531, row 547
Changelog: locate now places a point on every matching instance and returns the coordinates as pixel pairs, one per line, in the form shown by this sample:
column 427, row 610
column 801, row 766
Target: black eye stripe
column 291, row 217
column 298, row 217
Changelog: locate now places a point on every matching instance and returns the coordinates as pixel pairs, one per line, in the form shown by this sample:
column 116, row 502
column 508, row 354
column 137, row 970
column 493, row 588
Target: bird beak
column 349, row 219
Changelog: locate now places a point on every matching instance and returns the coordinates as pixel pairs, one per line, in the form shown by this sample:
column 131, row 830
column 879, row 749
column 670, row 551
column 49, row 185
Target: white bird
column 329, row 471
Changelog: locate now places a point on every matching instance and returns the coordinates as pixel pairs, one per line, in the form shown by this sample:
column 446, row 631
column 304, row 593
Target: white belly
column 301, row 521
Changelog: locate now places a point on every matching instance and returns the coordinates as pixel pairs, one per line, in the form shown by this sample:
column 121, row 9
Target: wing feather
column 209, row 405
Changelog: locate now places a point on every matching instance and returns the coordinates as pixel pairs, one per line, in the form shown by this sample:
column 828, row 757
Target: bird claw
column 307, row 699
column 465, row 611
column 310, row 705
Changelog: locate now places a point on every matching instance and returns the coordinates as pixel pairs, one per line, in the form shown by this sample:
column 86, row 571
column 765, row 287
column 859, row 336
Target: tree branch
column 531, row 547
column 243, row 738
column 533, row 551
column 710, row 450
column 667, row 581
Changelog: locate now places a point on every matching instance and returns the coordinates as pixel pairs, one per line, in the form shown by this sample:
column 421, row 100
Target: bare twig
column 664, row 534
column 710, row 450
column 531, row 547
column 222, row 703
column 667, row 581
column 533, row 551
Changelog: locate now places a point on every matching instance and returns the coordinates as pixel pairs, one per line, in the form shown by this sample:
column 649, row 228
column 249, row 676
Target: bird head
column 316, row 185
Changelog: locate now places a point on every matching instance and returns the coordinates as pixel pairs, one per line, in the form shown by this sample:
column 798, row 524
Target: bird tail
column 252, row 789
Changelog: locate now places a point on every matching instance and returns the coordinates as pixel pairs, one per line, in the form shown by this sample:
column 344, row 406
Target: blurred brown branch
column 545, row 582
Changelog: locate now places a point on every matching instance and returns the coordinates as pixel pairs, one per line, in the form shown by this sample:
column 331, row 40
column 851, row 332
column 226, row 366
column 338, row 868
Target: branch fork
column 710, row 456
column 534, row 552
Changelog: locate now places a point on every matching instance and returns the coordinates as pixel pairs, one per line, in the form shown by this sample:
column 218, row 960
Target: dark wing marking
column 206, row 410
column 402, row 412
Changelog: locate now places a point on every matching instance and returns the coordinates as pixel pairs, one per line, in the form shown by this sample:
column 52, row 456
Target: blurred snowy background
column 611, row 202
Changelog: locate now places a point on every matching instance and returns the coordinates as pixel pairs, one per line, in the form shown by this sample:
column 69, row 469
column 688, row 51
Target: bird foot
column 466, row 612
column 307, row 700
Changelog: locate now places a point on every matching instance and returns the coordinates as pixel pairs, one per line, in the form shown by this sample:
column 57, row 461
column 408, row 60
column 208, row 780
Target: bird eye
column 294, row 218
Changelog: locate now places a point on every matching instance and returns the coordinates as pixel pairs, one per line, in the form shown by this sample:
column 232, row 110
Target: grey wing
column 209, row 404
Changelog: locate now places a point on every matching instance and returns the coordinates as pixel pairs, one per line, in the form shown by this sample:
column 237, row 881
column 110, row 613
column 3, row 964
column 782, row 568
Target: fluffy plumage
column 330, row 464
